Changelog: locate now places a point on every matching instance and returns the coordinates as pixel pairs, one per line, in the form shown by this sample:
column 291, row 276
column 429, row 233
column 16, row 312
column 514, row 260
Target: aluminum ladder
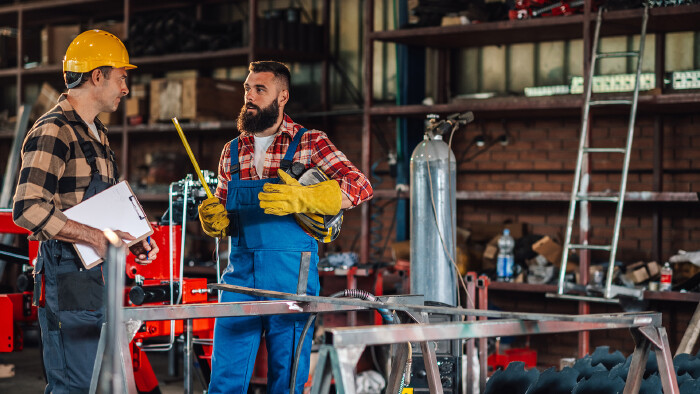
column 579, row 192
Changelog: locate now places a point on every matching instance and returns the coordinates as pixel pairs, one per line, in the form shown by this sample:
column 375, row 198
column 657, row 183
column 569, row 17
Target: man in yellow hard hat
column 66, row 158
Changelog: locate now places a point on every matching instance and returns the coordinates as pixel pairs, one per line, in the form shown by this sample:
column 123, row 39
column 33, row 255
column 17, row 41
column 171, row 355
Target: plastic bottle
column 666, row 277
column 504, row 264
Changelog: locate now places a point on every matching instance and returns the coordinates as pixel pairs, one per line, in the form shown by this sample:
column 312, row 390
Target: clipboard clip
column 137, row 208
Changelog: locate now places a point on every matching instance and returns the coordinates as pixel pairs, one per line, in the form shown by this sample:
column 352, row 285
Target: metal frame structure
column 339, row 354
column 345, row 345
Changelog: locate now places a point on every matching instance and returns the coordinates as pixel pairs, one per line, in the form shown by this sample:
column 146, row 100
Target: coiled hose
column 349, row 293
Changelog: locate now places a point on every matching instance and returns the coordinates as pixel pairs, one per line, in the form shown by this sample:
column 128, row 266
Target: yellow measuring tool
column 191, row 155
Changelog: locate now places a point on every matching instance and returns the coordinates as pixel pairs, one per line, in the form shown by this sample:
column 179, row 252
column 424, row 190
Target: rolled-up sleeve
column 44, row 156
column 353, row 183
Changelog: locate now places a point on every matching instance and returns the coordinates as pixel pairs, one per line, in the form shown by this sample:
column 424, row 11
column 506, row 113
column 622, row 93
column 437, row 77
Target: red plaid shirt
column 315, row 149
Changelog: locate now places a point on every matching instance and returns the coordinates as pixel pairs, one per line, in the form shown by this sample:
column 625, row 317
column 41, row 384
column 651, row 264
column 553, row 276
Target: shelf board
column 621, row 22
column 489, row 33
column 42, row 5
column 528, row 106
column 553, row 196
column 648, row 295
column 168, row 127
column 563, row 105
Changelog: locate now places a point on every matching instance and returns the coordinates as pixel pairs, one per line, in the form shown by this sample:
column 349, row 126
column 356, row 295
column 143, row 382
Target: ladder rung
column 610, row 102
column 584, row 197
column 617, row 54
column 605, row 150
column 590, row 247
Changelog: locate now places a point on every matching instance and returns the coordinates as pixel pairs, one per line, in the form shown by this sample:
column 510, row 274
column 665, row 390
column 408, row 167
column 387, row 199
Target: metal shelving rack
column 445, row 39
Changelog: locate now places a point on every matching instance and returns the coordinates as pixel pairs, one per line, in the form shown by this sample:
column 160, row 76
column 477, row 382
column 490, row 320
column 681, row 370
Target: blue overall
column 265, row 254
column 72, row 315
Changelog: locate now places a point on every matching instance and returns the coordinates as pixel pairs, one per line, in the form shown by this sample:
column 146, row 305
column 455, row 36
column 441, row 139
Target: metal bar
column 691, row 334
column 669, row 381
column 604, row 150
column 303, row 272
column 228, row 309
column 368, row 50
column 187, row 354
column 598, row 103
column 9, row 180
column 398, row 365
column 590, row 247
column 616, row 54
column 381, row 335
column 582, row 298
column 412, row 307
column 581, row 197
column 471, row 351
column 98, row 360
column 626, row 165
column 252, row 26
column 431, row 367
column 638, row 363
column 483, row 285
column 323, row 372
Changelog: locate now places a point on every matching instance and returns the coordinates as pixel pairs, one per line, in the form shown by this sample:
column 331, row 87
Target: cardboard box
column 47, row 99
column 549, row 249
column 55, row 40
column 653, row 268
column 195, row 99
column 136, row 104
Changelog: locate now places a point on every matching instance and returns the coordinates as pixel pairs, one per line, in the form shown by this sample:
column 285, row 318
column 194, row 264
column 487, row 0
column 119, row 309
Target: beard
column 261, row 120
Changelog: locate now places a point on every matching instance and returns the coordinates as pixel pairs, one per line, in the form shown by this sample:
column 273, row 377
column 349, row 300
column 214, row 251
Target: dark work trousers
column 71, row 306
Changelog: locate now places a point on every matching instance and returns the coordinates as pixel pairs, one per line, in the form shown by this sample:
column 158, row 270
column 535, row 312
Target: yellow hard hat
column 95, row 48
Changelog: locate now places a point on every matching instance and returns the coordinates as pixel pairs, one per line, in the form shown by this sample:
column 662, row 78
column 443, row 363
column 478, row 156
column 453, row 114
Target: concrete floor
column 29, row 377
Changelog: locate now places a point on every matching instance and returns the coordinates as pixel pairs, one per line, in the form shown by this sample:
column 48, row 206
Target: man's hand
column 323, row 198
column 100, row 243
column 144, row 251
column 214, row 219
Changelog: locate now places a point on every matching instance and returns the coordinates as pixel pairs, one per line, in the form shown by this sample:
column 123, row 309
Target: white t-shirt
column 261, row 145
column 93, row 128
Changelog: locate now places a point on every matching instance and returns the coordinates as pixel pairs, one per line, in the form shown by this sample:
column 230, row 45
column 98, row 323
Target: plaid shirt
column 315, row 149
column 55, row 174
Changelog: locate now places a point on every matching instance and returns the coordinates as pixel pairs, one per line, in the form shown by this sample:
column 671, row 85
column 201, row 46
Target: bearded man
column 266, row 241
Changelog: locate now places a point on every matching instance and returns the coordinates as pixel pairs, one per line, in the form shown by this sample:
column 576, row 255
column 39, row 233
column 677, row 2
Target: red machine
column 15, row 308
column 153, row 288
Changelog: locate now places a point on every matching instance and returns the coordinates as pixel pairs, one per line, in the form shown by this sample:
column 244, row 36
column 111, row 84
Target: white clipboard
column 115, row 208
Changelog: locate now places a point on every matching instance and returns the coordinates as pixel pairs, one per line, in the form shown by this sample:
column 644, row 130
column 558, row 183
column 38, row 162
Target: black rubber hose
column 353, row 293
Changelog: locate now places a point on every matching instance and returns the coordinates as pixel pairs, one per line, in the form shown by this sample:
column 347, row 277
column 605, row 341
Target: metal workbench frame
column 343, row 346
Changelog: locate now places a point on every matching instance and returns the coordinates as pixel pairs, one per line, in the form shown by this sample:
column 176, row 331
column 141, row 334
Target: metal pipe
column 110, row 381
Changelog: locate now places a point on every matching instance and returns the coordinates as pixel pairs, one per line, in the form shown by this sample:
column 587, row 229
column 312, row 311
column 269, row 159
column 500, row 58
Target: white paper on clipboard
column 115, row 208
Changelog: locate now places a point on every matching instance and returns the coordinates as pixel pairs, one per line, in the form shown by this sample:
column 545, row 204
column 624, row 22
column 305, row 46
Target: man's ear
column 96, row 76
column 283, row 97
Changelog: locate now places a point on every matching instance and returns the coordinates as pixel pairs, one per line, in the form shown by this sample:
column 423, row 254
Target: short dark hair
column 279, row 69
column 71, row 77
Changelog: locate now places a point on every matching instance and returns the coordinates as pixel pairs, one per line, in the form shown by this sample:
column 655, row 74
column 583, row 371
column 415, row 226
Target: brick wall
column 541, row 156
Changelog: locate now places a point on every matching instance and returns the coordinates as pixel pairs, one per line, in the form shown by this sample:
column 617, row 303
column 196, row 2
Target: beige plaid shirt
column 55, row 174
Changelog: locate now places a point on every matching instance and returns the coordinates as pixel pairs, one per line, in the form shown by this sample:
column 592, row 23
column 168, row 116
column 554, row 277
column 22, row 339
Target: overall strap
column 286, row 162
column 235, row 167
column 89, row 152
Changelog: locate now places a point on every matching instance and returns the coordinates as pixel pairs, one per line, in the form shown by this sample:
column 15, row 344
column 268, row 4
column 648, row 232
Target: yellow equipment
column 95, row 48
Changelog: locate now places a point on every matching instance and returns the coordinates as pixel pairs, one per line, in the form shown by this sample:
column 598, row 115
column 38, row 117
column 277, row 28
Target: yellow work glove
column 213, row 216
column 291, row 197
